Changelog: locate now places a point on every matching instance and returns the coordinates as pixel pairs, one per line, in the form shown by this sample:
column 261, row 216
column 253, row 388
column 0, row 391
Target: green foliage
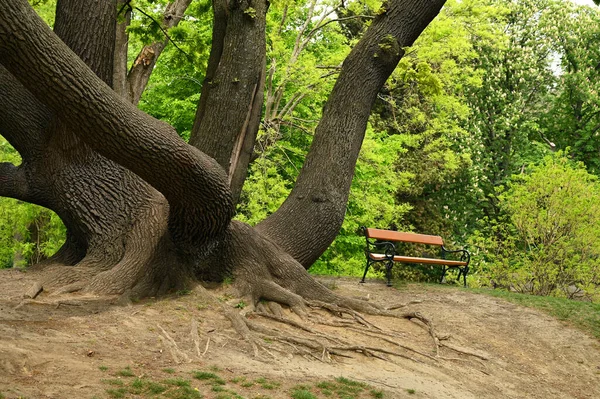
column 174, row 88
column 549, row 241
column 572, row 119
column 371, row 203
column 28, row 233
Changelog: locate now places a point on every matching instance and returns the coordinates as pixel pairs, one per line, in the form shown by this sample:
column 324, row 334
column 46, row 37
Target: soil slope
column 66, row 347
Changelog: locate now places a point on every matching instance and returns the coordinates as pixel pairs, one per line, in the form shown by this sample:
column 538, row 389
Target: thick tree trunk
column 317, row 204
column 108, row 211
column 232, row 92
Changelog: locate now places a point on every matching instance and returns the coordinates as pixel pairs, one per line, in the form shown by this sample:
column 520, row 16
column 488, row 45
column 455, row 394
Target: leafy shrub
column 548, row 241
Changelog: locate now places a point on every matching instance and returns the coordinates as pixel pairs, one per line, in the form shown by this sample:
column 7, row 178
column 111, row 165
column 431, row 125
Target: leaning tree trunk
column 317, row 204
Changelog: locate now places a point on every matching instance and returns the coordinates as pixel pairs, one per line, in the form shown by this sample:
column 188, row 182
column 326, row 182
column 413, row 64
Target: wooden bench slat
column 411, row 259
column 388, row 235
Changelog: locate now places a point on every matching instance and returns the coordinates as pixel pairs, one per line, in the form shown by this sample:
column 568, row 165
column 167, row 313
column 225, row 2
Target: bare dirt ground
column 66, row 347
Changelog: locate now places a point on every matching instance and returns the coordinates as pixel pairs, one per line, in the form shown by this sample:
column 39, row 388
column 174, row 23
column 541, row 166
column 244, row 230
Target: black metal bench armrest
column 465, row 257
column 387, row 247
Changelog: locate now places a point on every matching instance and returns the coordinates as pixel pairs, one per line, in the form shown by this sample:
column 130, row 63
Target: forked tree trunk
column 92, row 130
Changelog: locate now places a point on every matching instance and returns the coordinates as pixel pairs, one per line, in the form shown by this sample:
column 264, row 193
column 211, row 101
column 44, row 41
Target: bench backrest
column 388, row 235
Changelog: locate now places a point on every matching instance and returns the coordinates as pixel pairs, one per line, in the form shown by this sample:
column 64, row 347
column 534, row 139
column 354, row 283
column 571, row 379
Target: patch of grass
column 302, row 394
column 217, row 388
column 411, row 391
column 184, row 392
column 267, row 384
column 2, row 396
column 583, row 315
column 137, row 384
column 102, row 368
column 169, row 370
column 155, row 388
column 214, row 369
column 206, row 376
column 228, row 396
column 183, row 292
column 126, row 372
column 350, row 383
column 178, row 382
column 344, row 388
column 116, row 393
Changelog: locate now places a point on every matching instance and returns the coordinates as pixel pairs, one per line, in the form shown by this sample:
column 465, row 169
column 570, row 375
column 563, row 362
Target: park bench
column 381, row 248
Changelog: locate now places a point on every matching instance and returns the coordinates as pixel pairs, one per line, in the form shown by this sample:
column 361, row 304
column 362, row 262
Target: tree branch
column 22, row 117
column 13, row 182
column 142, row 68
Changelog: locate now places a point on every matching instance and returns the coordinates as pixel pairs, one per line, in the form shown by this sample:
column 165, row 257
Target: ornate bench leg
column 465, row 272
column 365, row 273
column 444, row 269
column 388, row 272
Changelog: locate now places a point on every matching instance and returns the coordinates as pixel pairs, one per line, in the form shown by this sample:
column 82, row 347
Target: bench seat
column 411, row 259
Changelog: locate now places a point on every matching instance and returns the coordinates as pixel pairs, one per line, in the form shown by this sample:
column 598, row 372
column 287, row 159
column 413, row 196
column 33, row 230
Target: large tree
column 146, row 212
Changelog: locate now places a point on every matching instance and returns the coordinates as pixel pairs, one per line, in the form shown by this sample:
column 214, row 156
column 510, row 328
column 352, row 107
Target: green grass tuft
column 116, row 393
column 126, row 372
column 302, row 394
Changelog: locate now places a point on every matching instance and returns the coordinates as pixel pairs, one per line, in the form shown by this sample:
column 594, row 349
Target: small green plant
column 207, row 376
column 155, row 388
column 179, row 382
column 411, row 391
column 183, row 292
column 169, row 370
column 116, row 393
column 302, row 394
column 102, row 368
column 126, row 372
column 241, row 305
column 251, row 12
column 377, row 394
